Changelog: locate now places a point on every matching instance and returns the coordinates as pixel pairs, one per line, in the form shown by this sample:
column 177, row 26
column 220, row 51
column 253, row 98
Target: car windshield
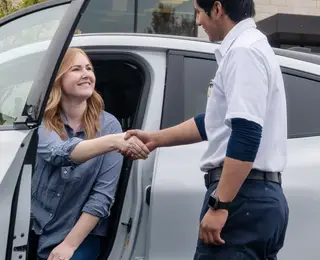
column 23, row 44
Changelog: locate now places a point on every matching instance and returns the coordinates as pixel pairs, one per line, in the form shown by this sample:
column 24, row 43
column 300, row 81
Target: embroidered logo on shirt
column 210, row 87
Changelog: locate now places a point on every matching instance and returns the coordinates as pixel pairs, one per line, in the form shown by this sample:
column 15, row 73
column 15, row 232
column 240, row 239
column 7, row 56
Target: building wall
column 266, row 8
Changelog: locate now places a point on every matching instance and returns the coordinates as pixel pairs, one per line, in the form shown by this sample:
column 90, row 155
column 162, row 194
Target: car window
column 108, row 16
column 142, row 16
column 23, row 43
column 191, row 98
column 303, row 106
column 197, row 76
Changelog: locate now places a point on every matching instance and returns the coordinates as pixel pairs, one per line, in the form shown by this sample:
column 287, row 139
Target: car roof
column 308, row 63
column 288, row 58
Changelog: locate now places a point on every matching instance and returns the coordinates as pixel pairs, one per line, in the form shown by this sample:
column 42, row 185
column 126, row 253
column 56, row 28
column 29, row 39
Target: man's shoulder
column 250, row 38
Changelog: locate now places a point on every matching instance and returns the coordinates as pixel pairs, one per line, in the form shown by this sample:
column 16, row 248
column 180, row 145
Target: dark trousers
column 256, row 225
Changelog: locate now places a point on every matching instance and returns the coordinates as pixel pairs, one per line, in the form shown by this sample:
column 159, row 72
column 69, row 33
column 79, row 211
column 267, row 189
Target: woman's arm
column 87, row 149
column 76, row 150
column 81, row 230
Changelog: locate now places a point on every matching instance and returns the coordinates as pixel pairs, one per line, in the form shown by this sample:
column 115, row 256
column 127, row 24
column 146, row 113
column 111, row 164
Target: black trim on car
column 173, row 107
column 192, row 54
column 32, row 9
column 308, row 76
column 13, row 215
column 299, row 73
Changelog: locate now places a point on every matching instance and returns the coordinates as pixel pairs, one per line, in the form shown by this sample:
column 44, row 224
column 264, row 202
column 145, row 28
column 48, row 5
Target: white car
column 148, row 82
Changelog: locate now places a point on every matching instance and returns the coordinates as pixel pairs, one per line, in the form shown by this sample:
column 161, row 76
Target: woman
column 78, row 165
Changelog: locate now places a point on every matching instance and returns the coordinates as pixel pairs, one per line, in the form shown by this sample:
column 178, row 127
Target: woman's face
column 79, row 81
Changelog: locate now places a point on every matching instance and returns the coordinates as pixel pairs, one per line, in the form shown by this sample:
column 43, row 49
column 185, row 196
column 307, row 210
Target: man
column 245, row 212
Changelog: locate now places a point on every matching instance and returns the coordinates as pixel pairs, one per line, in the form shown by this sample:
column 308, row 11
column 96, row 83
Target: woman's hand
column 62, row 252
column 132, row 146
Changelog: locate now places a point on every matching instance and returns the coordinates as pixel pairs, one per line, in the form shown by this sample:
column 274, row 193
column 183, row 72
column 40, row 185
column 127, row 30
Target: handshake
column 136, row 144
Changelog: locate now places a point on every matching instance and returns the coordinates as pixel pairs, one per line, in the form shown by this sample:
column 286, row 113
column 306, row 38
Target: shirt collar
column 65, row 121
column 234, row 33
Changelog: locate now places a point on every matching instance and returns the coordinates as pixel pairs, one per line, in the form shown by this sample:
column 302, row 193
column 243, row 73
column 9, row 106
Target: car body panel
column 178, row 191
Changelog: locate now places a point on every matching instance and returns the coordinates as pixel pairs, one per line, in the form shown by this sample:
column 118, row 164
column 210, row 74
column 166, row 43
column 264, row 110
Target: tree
column 8, row 7
column 165, row 21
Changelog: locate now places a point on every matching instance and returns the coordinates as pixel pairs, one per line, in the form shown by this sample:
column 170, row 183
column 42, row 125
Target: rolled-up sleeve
column 102, row 195
column 53, row 149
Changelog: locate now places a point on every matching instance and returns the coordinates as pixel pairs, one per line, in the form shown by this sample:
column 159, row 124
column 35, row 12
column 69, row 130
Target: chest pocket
column 79, row 173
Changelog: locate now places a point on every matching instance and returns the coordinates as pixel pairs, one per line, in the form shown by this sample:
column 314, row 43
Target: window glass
column 302, row 97
column 108, row 16
column 174, row 17
column 303, row 106
column 23, row 43
column 197, row 76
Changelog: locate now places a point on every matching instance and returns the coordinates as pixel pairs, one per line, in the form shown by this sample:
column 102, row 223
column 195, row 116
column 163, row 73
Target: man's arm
column 246, row 95
column 241, row 152
column 188, row 132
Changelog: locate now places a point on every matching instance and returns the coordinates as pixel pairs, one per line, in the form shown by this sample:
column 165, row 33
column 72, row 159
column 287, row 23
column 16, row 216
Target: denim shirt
column 62, row 190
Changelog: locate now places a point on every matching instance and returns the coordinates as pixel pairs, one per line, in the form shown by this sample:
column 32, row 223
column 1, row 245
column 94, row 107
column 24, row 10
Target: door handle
column 148, row 194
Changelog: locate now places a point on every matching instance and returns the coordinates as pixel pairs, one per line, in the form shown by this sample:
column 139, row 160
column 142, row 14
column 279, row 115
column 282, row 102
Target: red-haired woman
column 77, row 166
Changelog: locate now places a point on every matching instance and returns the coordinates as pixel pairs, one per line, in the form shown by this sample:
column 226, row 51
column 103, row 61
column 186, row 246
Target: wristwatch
column 215, row 203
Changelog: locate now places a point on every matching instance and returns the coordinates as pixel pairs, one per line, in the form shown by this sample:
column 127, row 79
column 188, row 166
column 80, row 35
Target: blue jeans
column 256, row 226
column 89, row 249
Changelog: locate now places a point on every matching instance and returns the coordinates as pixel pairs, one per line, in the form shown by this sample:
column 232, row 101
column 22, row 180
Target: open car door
column 32, row 44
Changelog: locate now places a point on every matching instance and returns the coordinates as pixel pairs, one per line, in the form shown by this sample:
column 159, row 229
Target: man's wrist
column 215, row 203
column 156, row 139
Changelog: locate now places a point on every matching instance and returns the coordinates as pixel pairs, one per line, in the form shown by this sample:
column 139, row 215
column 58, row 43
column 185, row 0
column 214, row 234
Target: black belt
column 215, row 174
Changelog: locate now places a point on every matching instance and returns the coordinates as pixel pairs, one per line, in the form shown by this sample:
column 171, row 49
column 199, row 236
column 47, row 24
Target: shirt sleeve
column 246, row 86
column 102, row 195
column 200, row 123
column 53, row 149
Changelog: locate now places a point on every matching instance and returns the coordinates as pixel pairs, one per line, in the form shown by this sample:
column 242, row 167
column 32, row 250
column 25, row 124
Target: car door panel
column 176, row 199
column 15, row 137
column 301, row 182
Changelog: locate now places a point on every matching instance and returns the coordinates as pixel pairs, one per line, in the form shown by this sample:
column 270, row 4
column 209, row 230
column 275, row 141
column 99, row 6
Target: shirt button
column 58, row 194
column 51, row 214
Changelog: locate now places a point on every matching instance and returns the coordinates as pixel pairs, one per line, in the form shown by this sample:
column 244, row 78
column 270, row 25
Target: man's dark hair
column 237, row 10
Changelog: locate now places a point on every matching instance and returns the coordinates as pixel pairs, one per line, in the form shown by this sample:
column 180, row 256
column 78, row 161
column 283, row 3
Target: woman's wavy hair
column 95, row 104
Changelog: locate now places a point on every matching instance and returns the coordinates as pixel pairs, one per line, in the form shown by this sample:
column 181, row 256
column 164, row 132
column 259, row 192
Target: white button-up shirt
column 248, row 84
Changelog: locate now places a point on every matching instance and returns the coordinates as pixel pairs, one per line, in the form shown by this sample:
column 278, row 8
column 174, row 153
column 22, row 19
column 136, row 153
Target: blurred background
column 287, row 23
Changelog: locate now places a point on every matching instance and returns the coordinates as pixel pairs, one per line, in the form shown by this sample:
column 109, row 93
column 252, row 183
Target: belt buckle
column 206, row 180
column 280, row 178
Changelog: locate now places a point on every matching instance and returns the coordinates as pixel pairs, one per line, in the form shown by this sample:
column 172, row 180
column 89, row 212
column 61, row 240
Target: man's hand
column 62, row 252
column 145, row 137
column 211, row 226
column 132, row 146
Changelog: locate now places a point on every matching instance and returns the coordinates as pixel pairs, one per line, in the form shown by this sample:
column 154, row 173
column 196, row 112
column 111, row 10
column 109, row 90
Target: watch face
column 213, row 202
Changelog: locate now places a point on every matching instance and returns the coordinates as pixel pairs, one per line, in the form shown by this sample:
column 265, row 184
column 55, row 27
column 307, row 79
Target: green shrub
column 7, row 6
